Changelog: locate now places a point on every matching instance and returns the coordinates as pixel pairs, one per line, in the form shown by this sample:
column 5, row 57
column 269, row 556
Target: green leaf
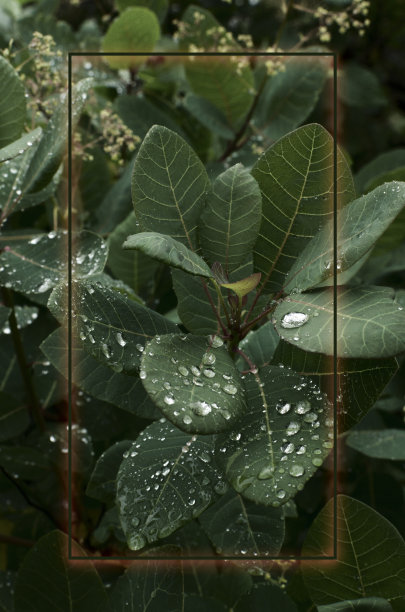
column 4, row 315
column 239, row 527
column 370, row 322
column 7, row 580
column 14, row 417
column 28, row 463
column 112, row 327
column 135, row 268
column 96, row 379
column 47, row 581
column 12, row 104
column 359, row 381
column 230, row 221
column 381, row 444
column 260, row 345
column 281, row 440
column 289, row 97
column 39, row 265
column 102, row 484
column 139, row 113
column 116, row 205
column 360, row 88
column 261, row 595
column 209, row 115
column 297, row 196
column 159, row 7
column 390, row 161
column 169, row 251
column 193, row 306
column 366, row 604
column 360, row 570
column 244, row 286
column 169, row 185
column 184, row 479
column 157, row 587
column 199, row 388
column 135, row 30
column 360, row 225
column 18, row 147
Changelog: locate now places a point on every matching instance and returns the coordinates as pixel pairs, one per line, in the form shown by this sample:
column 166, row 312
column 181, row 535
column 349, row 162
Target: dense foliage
column 236, row 343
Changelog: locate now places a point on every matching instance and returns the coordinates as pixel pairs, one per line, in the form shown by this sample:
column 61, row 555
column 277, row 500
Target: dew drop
column 183, row 370
column 301, row 450
column 142, row 374
column 294, row 319
column 317, row 461
column 169, row 400
column 303, row 407
column 281, row 494
column 195, row 370
column 208, row 373
column 208, row 359
column 293, row 428
column 215, row 341
column 187, row 420
column 200, row 408
column 297, row 470
column 266, row 472
column 120, row 339
column 288, row 448
column 283, row 408
column 230, row 389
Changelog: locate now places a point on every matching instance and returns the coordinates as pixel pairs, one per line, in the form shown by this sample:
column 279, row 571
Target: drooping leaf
column 135, row 268
column 281, row 440
column 14, row 417
column 359, row 381
column 41, row 263
column 230, row 221
column 366, row 604
column 238, row 527
column 111, row 327
column 370, row 322
column 297, row 188
column 157, row 587
column 47, row 581
column 381, row 165
column 102, row 483
column 359, row 225
column 12, row 104
column 167, row 250
column 169, row 185
column 360, row 570
column 265, row 597
column 96, row 379
column 244, row 286
column 380, row 444
column 18, row 147
column 194, row 382
column 289, row 96
column 136, row 29
column 174, row 482
column 157, row 6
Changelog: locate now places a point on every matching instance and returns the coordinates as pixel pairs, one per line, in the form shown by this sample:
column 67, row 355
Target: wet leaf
column 385, row 444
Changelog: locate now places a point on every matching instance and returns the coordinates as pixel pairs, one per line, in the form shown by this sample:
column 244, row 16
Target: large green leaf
column 194, row 382
column 169, row 251
column 136, row 29
column 366, row 604
column 238, row 527
column 360, row 570
column 12, row 104
column 297, row 186
column 359, row 381
column 102, row 483
column 370, row 322
column 41, row 263
column 359, row 226
column 380, row 444
column 169, row 185
column 18, row 147
column 162, row 486
column 230, row 221
column 281, row 440
column 155, row 588
column 290, row 96
column 14, row 417
column 46, row 581
column 381, row 165
column 112, row 327
column 96, row 379
column 135, row 268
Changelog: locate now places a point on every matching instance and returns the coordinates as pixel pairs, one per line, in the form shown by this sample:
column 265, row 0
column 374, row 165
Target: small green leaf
column 184, row 482
column 244, row 286
column 238, row 527
column 360, row 224
column 167, row 250
column 47, row 581
column 360, row 570
column 381, row 444
column 297, row 197
column 14, row 417
column 38, row 265
column 102, row 484
column 366, row 604
column 282, row 439
column 193, row 305
column 194, row 382
column 12, row 104
column 169, row 185
column 18, row 147
column 230, row 221
column 370, row 322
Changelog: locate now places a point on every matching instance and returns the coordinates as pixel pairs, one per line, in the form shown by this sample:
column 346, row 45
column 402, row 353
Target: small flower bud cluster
column 353, row 17
column 116, row 135
column 274, row 64
column 79, row 149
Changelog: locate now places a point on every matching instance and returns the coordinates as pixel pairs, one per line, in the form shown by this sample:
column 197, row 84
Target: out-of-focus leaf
column 12, row 103
column 18, row 147
column 102, row 484
column 14, row 417
column 381, row 444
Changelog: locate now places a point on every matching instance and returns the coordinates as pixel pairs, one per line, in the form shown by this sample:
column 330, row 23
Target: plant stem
column 222, row 301
column 222, row 326
column 282, row 25
column 33, row 402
